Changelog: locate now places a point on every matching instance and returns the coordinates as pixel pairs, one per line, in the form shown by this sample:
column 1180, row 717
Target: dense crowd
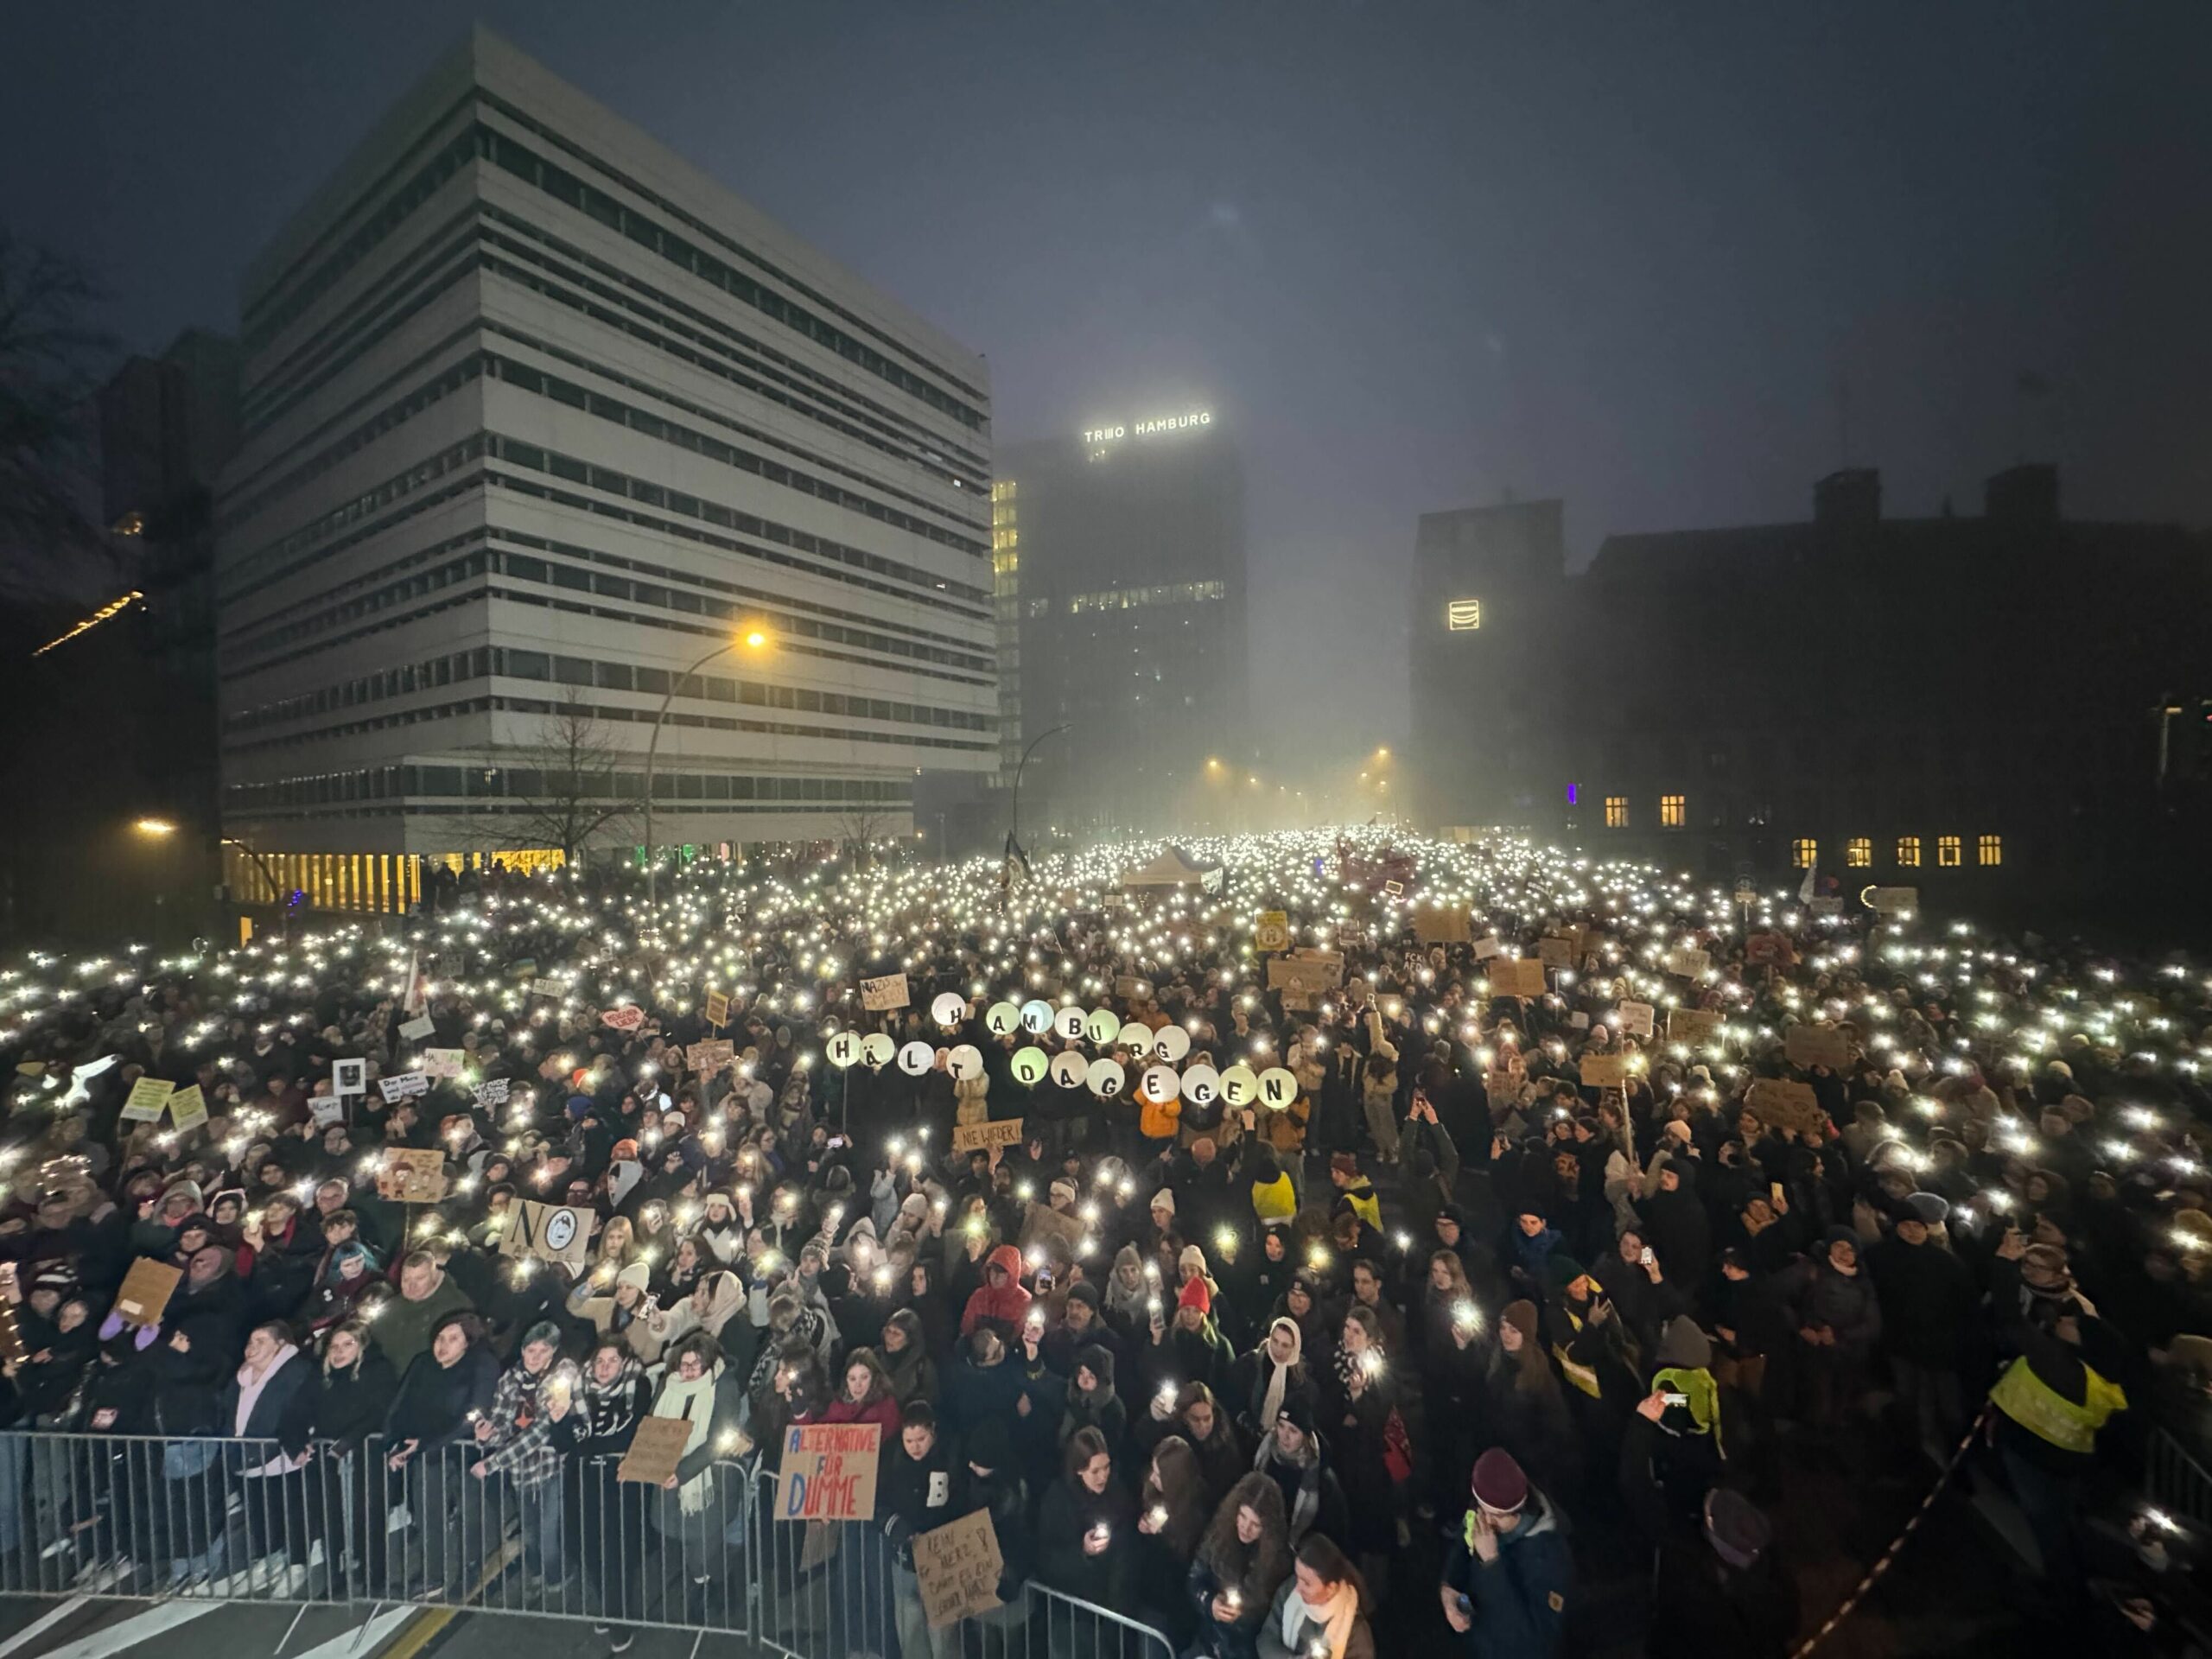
column 1328, row 1300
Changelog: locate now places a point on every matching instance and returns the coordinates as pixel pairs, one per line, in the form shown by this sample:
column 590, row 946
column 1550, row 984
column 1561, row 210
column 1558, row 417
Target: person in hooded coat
column 1092, row 1401
column 1676, row 1226
column 1000, row 1300
column 914, row 1373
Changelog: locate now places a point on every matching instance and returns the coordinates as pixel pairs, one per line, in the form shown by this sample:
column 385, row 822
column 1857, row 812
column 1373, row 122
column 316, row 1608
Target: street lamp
column 1013, row 799
column 754, row 639
column 156, row 827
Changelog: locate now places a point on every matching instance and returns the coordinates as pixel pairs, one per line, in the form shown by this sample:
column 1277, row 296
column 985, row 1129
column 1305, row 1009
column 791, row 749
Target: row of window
column 1124, row 598
column 1858, row 852
column 492, row 782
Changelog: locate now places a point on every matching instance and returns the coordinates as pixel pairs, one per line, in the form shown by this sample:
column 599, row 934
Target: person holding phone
column 1509, row 1571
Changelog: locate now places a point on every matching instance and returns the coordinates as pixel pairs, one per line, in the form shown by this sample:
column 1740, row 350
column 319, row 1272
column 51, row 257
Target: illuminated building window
column 1674, row 811
column 1804, row 854
column 1908, row 852
column 1946, row 851
column 1616, row 811
column 1858, row 852
column 1463, row 615
column 1990, row 850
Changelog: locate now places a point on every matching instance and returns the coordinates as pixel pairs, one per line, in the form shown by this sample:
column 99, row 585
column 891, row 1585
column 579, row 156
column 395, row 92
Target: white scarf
column 693, row 1401
column 1278, row 1375
column 1335, row 1617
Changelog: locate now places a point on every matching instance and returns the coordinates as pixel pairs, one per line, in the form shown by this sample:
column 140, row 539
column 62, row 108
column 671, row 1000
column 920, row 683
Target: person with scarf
column 1172, row 1511
column 1320, row 1611
column 331, row 1420
column 1262, row 1379
column 1509, row 1571
column 1241, row 1562
column 257, row 1401
column 1128, row 1291
column 1085, row 1525
column 592, row 1417
column 1368, row 1438
column 1092, row 1401
column 906, row 1358
column 715, row 1306
column 623, row 1308
column 1838, row 1323
column 516, row 1438
column 347, row 1272
column 865, row 1397
column 690, row 1512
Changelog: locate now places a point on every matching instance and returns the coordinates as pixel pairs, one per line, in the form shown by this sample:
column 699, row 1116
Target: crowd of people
column 1328, row 1300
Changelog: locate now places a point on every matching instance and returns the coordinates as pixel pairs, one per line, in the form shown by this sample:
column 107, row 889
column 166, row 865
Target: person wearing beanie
column 1717, row 1589
column 1355, row 1193
column 1275, row 1197
column 621, row 1306
column 1672, row 1450
column 1839, row 1322
column 1091, row 1401
column 1929, row 1305
column 1292, row 1456
column 1509, row 1571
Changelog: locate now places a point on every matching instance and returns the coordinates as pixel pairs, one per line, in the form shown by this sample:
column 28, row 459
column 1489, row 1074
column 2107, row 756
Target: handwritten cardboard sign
column 187, row 1107
column 1816, row 1046
column 1695, row 1028
column 1487, row 946
column 1517, row 976
column 654, row 1450
column 417, row 1028
column 555, row 989
column 1434, row 924
column 828, row 1472
column 1329, row 962
column 882, row 995
column 1043, row 1222
column 1555, row 953
column 412, row 1175
column 709, row 1058
column 956, row 1569
column 982, row 1137
column 1786, row 1105
column 443, row 1062
column 628, row 1017
column 1891, row 901
column 402, row 1087
column 1295, row 974
column 1634, row 1019
column 149, row 1098
column 145, row 1291
column 551, row 1232
column 718, row 1008
column 493, row 1091
column 1130, row 989
column 1604, row 1070
column 1687, row 961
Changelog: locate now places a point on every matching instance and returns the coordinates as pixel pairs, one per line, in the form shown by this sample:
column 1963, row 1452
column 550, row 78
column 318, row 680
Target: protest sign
column 982, row 1137
column 1272, row 930
column 412, row 1175
column 1130, row 989
column 1695, row 1028
column 493, row 1091
column 956, row 1569
column 1296, row 973
column 443, row 1062
column 1329, row 962
column 1634, row 1019
column 654, row 1450
column 883, row 995
column 1786, row 1105
column 709, row 1058
column 628, row 1017
column 1555, row 953
column 146, row 1290
column 188, row 1109
column 1687, row 961
column 149, row 1098
column 349, row 1077
column 1816, row 1046
column 1604, row 1070
column 551, row 1232
column 718, row 1008
column 1487, row 946
column 1891, row 901
column 1517, row 976
column 1434, row 924
column 403, row 1086
column 555, row 989
column 828, row 1472
column 417, row 1028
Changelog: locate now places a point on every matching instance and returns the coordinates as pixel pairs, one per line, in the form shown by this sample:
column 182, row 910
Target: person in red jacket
column 1002, row 1302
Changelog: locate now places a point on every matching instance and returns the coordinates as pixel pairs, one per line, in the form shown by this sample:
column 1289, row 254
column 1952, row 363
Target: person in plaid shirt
column 518, row 1440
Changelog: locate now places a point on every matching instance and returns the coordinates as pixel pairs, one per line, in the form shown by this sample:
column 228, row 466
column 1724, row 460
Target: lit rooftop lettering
column 1150, row 427
column 1463, row 615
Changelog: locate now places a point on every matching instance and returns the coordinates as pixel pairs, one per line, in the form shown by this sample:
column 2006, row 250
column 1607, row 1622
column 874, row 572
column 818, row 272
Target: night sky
column 1414, row 256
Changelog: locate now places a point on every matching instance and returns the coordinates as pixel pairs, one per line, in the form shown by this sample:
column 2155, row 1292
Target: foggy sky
column 1667, row 262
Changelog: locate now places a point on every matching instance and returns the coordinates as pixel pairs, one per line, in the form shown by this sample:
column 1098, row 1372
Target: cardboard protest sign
column 709, row 1058
column 718, row 1008
column 188, row 1109
column 146, row 1290
column 417, row 1028
column 1816, row 1046
column 1555, row 953
column 982, row 1137
column 828, row 1472
column 1636, row 1018
column 1504, row 1090
column 349, row 1077
column 881, row 995
column 1043, row 1222
column 149, row 1098
column 1433, row 924
column 1891, row 901
column 402, row 1087
column 1130, row 989
column 1329, row 962
column 551, row 1232
column 1687, row 961
column 1295, row 974
column 956, row 1569
column 1786, row 1105
column 1487, row 946
column 628, row 1017
column 1693, row 1027
column 654, row 1450
column 493, row 1091
column 1272, row 932
column 412, row 1175
column 555, row 989
column 1604, row 1070
column 443, row 1062
column 1521, row 977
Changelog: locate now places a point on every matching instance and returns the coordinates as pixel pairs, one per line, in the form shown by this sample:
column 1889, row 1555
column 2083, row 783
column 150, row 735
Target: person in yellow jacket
column 2046, row 1409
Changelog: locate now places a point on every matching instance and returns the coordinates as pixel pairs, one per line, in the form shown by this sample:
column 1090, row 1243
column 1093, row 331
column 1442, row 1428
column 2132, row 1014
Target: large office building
column 2000, row 710
column 543, row 432
column 1119, row 569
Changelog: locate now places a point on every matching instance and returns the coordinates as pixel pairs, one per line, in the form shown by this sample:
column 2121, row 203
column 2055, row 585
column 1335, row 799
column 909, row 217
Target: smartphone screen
column 1774, row 1191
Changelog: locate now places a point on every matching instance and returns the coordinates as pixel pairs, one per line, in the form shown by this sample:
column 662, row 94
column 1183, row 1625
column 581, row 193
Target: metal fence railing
column 145, row 1518
column 2176, row 1482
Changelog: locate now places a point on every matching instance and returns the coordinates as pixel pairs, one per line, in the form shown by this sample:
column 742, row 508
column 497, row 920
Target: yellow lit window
column 1858, row 852
column 1804, row 854
column 1463, row 615
column 1672, row 812
column 1946, row 851
column 1908, row 852
column 1616, row 811
column 1990, row 850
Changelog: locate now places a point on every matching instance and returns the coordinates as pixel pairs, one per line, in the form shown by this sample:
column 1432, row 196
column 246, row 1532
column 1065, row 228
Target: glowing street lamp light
column 754, row 639
column 156, row 827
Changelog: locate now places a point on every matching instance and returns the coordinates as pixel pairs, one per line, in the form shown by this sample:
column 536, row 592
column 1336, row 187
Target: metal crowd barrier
column 143, row 1518
column 2176, row 1482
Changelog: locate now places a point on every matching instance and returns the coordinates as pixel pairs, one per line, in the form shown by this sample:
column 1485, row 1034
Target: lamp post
column 276, row 895
column 159, row 831
column 754, row 639
column 1014, row 803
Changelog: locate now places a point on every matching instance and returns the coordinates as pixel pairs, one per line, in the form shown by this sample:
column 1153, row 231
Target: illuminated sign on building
column 1462, row 615
column 1151, row 427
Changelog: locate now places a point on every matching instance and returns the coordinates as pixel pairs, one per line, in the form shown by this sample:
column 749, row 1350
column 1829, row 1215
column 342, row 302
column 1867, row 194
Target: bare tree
column 859, row 826
column 571, row 788
column 48, row 357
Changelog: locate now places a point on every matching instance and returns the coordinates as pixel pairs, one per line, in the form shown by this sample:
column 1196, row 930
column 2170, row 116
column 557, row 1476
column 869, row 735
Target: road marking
column 43, row 1623
column 418, row 1634
column 161, row 1616
column 362, row 1639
